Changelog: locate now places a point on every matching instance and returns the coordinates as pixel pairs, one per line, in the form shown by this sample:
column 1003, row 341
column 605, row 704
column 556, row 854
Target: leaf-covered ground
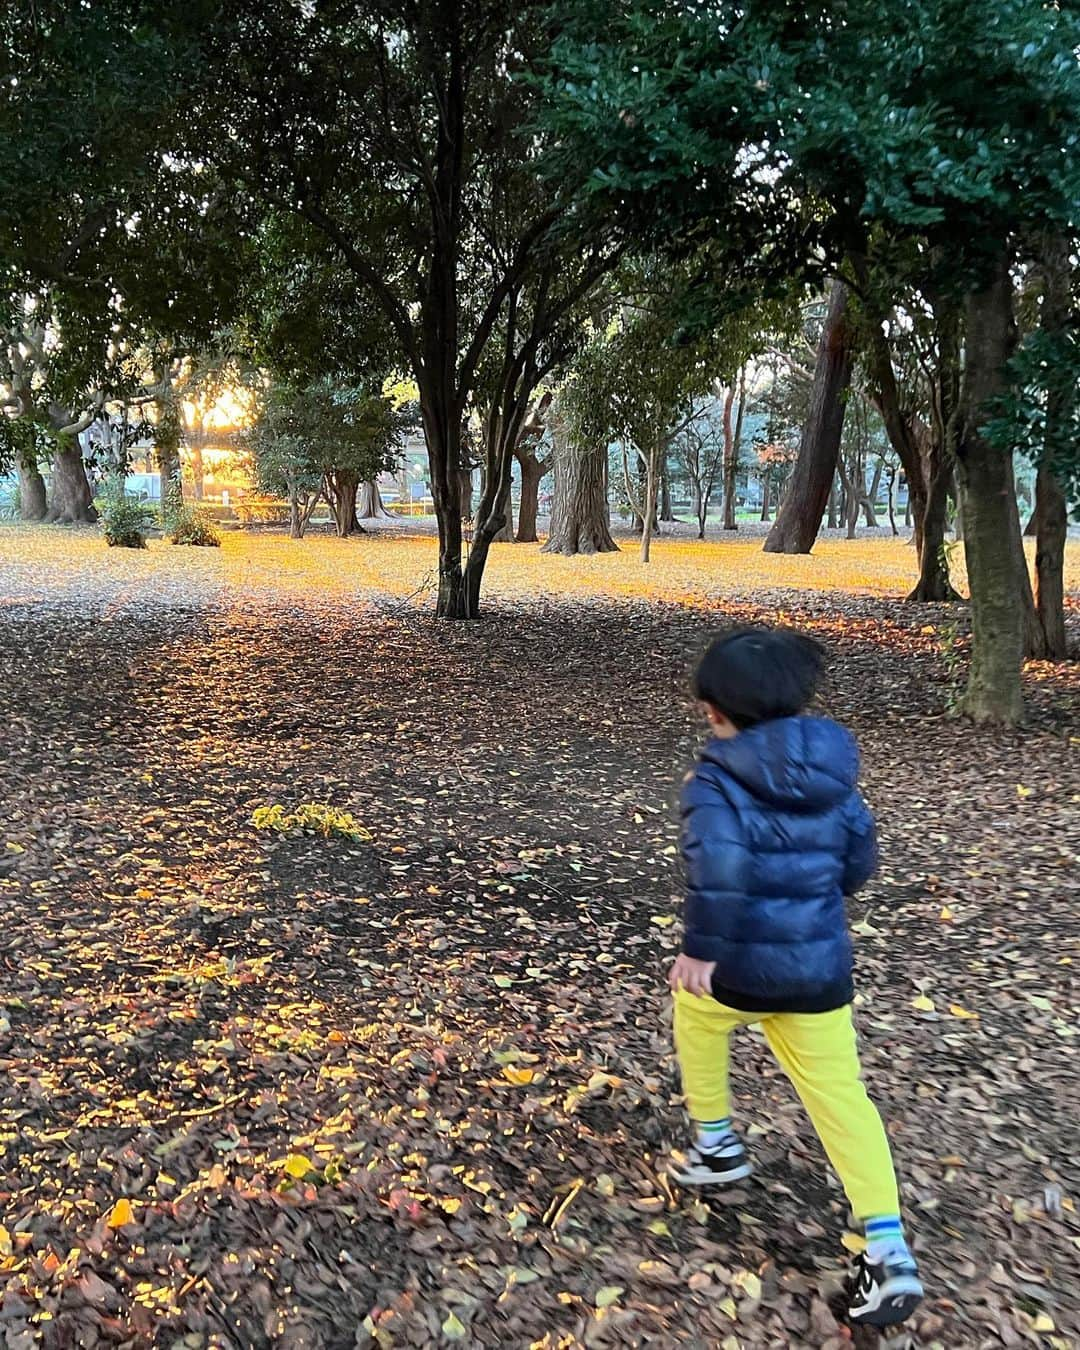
column 414, row 1086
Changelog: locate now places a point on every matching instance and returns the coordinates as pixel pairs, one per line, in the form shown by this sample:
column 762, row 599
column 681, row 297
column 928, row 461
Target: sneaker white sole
column 708, row 1176
column 891, row 1303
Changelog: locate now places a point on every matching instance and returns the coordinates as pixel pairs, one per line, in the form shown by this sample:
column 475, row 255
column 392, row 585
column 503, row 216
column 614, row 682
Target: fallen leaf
column 608, row 1294
column 747, row 1281
column 296, row 1165
column 923, row 1004
column 121, row 1214
column 453, row 1328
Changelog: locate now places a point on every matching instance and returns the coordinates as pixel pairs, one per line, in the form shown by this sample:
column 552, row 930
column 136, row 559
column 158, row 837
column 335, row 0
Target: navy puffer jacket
column 775, row 834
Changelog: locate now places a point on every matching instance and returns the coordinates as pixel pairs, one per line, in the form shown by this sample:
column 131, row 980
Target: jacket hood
column 802, row 763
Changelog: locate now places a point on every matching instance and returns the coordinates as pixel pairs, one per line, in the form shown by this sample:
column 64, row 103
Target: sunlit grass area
column 40, row 563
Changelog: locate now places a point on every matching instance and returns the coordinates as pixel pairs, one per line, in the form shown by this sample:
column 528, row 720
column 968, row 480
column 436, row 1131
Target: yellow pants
column 818, row 1053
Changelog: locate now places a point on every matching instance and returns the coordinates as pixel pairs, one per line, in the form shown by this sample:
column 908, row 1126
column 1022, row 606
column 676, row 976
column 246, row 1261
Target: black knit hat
column 755, row 674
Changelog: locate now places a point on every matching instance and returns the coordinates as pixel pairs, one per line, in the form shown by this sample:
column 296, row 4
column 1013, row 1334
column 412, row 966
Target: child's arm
column 861, row 861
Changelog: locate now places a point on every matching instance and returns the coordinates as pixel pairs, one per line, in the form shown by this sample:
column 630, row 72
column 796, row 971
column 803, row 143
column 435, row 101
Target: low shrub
column 125, row 520
column 187, row 524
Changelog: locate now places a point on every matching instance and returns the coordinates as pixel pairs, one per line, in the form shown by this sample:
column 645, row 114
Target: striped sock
column 712, row 1133
column 885, row 1239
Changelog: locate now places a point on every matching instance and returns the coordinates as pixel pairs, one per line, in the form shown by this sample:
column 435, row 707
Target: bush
column 187, row 524
column 125, row 519
column 193, row 525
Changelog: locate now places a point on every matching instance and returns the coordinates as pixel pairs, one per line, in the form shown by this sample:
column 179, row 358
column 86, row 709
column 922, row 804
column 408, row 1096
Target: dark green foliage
column 186, row 523
column 125, row 519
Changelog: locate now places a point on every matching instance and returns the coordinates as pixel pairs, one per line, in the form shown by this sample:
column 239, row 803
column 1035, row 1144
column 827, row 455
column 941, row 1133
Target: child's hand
column 694, row 976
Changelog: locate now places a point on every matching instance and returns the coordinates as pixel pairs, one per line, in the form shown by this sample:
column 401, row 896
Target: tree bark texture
column 989, row 507
column 579, row 509
column 799, row 519
column 72, row 501
column 1052, row 527
column 1051, row 508
column 731, row 462
column 33, row 503
column 370, row 506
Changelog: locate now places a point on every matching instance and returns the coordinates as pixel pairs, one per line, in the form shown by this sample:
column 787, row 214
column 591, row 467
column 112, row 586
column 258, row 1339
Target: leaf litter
column 413, row 1083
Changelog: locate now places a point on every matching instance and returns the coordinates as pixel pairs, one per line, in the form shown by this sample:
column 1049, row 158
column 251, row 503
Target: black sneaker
column 884, row 1293
column 717, row 1166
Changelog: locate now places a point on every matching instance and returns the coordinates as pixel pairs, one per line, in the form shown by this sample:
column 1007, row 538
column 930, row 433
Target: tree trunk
column 766, row 495
column 1051, row 512
column 532, row 471
column 72, row 501
column 892, row 500
column 1051, row 508
column 198, row 471
column 341, row 489
column 730, row 462
column 652, row 483
column 296, row 529
column 994, row 691
column 667, row 514
column 907, row 510
column 579, row 509
column 934, row 585
column 371, row 503
column 834, row 504
column 799, row 519
column 465, row 491
column 33, row 504
column 852, row 498
column 869, row 501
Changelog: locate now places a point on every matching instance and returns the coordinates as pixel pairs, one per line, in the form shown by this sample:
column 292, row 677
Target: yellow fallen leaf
column 605, row 1185
column 450, row 1204
column 957, row 1011
column 336, row 1037
column 923, row 1004
column 15, row 848
column 946, row 914
column 1022, row 791
column 727, row 1305
column 749, row 1283
column 609, row 1294
column 5, row 1241
column 1043, row 1322
column 296, row 1165
column 519, row 1077
column 663, row 920
column 122, row 1214
column 730, row 1343
column 854, row 1242
column 660, row 1228
column 502, row 981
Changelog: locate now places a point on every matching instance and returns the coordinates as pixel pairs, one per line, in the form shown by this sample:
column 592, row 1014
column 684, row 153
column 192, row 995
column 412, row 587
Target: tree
column 701, row 446
column 732, row 444
column 799, row 519
column 323, row 440
column 401, row 136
